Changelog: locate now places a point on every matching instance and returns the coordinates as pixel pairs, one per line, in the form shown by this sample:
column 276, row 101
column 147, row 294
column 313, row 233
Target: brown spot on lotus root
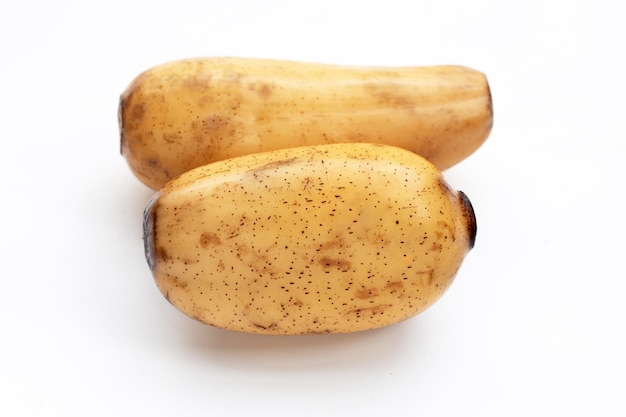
column 209, row 239
column 171, row 137
column 436, row 247
column 328, row 262
column 270, row 166
column 265, row 327
column 137, row 112
column 264, row 90
column 366, row 293
column 215, row 123
column 427, row 276
column 394, row 286
column 379, row 309
column 337, row 242
column 388, row 94
column 162, row 254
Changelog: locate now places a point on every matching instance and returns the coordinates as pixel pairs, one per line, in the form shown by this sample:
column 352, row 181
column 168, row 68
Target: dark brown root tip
column 470, row 218
column 149, row 221
column 120, row 123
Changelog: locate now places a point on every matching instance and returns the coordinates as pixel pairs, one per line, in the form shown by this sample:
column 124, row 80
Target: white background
column 533, row 325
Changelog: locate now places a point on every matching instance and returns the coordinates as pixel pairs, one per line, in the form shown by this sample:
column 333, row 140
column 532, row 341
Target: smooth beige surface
column 184, row 114
column 327, row 239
